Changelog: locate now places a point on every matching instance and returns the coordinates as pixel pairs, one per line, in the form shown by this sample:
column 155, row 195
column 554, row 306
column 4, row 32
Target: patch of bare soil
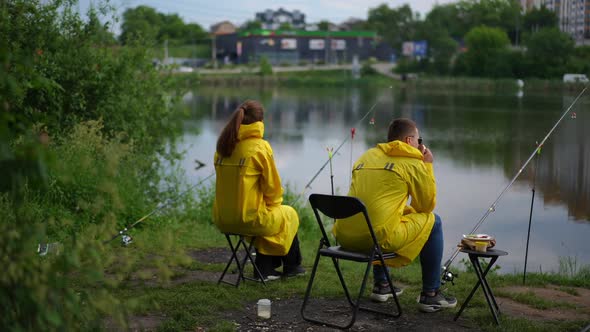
column 210, row 255
column 148, row 277
column 552, row 293
column 286, row 316
column 136, row 323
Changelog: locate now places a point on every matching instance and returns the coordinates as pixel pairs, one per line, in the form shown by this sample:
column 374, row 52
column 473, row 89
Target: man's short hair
column 400, row 129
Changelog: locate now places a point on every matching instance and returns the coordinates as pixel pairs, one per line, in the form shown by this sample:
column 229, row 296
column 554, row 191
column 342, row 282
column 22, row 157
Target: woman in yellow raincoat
column 249, row 194
column 385, row 178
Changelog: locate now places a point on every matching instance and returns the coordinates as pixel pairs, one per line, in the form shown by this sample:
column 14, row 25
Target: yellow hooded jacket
column 249, row 194
column 384, row 178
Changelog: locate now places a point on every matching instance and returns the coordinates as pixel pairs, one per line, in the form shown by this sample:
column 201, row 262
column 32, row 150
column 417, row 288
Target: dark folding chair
column 241, row 263
column 340, row 207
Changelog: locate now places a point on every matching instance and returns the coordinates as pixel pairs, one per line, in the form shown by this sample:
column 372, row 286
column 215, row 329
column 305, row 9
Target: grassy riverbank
column 85, row 131
column 344, row 78
column 184, row 295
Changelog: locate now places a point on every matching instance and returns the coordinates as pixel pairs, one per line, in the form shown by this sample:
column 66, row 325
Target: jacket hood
column 400, row 149
column 253, row 130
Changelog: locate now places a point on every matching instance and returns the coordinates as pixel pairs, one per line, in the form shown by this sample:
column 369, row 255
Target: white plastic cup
column 264, row 308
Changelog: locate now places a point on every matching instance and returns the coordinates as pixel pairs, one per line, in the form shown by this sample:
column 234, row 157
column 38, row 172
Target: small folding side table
column 474, row 257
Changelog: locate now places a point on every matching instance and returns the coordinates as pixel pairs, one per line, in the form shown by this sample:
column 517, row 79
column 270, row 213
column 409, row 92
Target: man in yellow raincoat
column 248, row 194
column 385, row 178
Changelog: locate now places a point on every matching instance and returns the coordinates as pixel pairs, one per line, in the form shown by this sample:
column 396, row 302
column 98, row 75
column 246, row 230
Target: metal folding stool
column 474, row 257
column 241, row 263
column 339, row 207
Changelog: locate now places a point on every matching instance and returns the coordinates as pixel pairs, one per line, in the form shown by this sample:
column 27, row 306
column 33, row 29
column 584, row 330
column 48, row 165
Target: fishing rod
column 352, row 132
column 330, row 155
column 446, row 274
column 126, row 239
column 308, row 185
column 528, row 234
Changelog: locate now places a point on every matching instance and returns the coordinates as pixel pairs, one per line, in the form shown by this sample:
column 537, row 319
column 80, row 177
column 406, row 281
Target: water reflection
column 479, row 141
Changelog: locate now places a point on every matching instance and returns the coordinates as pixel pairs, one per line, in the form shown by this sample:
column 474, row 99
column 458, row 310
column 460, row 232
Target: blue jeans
column 430, row 260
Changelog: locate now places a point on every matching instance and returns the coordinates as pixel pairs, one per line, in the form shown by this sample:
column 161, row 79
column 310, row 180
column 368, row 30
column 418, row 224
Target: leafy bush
column 265, row 66
column 80, row 120
column 549, row 51
column 99, row 179
column 58, row 70
column 39, row 293
column 406, row 66
column 486, row 48
column 367, row 69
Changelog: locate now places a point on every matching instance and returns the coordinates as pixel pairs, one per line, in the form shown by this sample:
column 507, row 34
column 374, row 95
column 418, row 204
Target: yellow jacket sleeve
column 270, row 181
column 422, row 188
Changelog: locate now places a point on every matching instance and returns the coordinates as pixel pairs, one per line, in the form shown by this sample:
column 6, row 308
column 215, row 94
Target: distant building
column 273, row 19
column 302, row 43
column 223, row 28
column 573, row 15
column 296, row 46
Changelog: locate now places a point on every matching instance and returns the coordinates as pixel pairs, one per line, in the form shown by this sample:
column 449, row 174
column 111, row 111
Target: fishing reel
column 448, row 276
column 125, row 239
column 45, row 248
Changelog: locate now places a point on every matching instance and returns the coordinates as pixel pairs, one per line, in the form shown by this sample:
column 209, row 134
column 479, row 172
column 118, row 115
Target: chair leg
column 353, row 304
column 396, row 300
column 232, row 258
column 248, row 257
column 338, row 271
column 309, row 285
column 241, row 265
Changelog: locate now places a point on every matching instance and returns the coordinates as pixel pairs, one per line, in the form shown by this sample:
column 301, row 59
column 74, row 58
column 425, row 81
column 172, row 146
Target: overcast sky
column 207, row 12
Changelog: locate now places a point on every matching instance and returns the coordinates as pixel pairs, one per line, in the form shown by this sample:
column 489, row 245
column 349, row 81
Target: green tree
column 580, row 60
column 446, row 17
column 441, row 47
column 504, row 14
column 549, row 50
column 285, row 26
column 395, row 25
column 142, row 21
column 324, row 25
column 539, row 18
column 147, row 23
column 252, row 25
column 486, row 48
column 98, row 31
column 194, row 32
column 172, row 28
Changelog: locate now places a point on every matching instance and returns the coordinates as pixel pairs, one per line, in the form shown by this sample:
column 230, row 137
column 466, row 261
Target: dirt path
column 577, row 298
column 286, row 316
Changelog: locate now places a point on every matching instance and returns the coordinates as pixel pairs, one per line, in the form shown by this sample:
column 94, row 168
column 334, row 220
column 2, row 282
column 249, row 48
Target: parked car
column 575, row 78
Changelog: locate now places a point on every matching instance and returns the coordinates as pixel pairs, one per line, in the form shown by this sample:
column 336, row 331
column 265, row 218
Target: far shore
column 341, row 75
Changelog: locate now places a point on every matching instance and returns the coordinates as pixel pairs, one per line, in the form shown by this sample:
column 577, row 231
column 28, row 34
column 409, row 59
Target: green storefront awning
column 304, row 33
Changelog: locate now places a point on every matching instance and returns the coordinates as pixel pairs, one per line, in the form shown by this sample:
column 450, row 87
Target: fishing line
column 126, row 239
column 448, row 275
column 352, row 132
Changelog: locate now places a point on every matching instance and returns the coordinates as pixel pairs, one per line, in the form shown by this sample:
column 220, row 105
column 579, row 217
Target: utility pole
column 326, row 54
column 166, row 51
column 213, row 51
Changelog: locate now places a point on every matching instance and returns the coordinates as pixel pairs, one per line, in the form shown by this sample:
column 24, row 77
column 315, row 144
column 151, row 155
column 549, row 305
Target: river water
column 479, row 141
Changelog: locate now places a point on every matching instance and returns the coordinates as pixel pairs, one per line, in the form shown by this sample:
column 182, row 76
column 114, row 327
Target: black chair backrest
column 338, row 207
